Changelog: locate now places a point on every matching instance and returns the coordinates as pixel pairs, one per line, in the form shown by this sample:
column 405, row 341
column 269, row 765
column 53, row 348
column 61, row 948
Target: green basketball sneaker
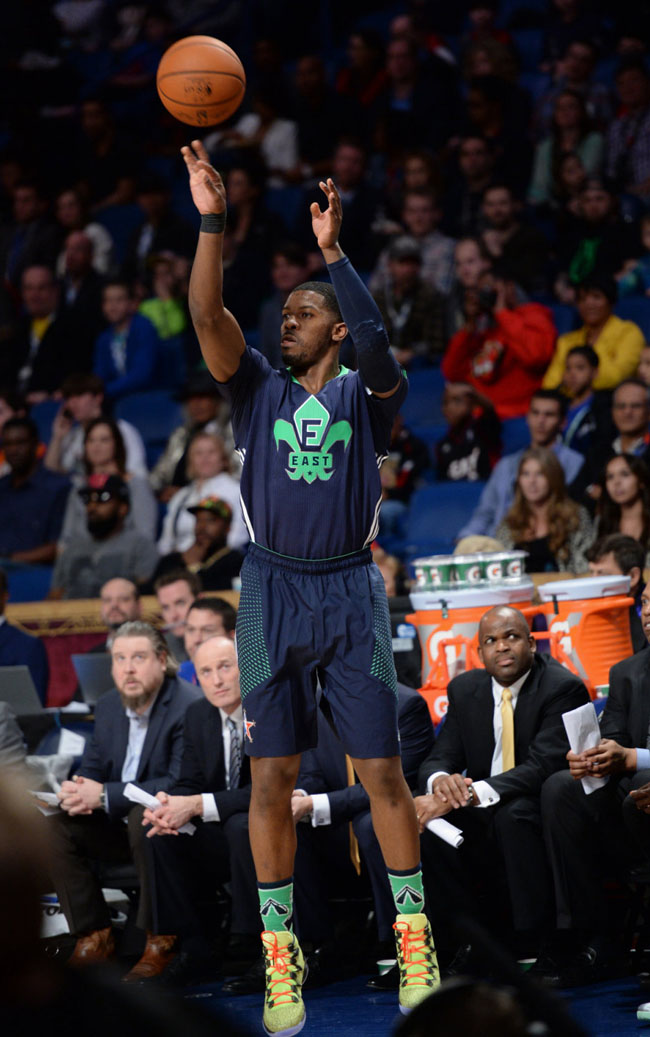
column 419, row 975
column 284, row 1011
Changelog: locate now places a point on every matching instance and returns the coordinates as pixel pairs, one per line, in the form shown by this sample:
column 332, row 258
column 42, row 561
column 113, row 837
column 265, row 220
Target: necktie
column 508, row 731
column 235, row 754
column 354, row 844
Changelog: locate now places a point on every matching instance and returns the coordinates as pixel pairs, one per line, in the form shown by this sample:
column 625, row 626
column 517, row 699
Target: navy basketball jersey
column 310, row 484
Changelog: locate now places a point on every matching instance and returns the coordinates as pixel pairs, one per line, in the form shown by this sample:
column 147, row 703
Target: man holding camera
column 504, row 347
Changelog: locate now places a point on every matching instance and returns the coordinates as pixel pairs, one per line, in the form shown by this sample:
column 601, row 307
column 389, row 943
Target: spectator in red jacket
column 504, row 347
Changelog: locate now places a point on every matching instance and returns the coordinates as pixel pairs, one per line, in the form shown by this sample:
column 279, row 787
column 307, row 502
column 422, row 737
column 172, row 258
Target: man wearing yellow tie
column 502, row 737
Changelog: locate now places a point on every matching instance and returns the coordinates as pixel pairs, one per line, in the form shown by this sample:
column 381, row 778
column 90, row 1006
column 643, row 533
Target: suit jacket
column 626, row 715
column 160, row 760
column 466, row 739
column 20, row 649
column 59, row 354
column 203, row 767
column 323, row 768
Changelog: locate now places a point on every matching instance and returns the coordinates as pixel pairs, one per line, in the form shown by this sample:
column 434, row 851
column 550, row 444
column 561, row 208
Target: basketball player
column 312, row 439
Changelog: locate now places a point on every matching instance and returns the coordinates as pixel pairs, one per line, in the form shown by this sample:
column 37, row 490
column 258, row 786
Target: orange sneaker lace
column 280, row 959
column 413, row 941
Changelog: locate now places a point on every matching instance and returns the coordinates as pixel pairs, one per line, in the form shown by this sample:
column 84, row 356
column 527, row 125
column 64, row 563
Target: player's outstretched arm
column 219, row 334
column 377, row 365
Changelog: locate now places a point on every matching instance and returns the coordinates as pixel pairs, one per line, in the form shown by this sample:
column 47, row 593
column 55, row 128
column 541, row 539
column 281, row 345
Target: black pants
column 587, row 841
column 76, row 841
column 500, row 869
column 186, row 871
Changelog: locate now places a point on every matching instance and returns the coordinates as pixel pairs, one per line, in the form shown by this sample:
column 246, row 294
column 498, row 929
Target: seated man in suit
column 328, row 800
column 138, row 737
column 176, row 591
column 213, row 792
column 591, row 837
column 20, row 649
column 504, row 732
column 207, row 617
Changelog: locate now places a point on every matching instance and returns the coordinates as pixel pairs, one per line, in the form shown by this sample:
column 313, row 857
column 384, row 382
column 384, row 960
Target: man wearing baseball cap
column 216, row 564
column 110, row 550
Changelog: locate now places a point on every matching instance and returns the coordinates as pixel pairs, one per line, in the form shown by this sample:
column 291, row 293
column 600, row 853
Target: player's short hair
column 628, row 552
column 174, row 575
column 326, row 291
column 219, row 607
column 588, row 352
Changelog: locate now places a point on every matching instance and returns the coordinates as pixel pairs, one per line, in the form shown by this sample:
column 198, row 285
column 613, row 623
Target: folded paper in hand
column 583, row 732
column 145, row 799
column 446, row 831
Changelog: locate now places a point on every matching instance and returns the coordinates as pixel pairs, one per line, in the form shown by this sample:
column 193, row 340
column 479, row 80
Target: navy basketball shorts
column 297, row 618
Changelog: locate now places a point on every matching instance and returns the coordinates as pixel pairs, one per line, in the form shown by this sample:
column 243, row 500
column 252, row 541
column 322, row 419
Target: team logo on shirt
column 311, row 440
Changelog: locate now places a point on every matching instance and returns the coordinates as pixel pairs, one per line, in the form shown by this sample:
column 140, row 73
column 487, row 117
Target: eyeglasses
column 96, row 496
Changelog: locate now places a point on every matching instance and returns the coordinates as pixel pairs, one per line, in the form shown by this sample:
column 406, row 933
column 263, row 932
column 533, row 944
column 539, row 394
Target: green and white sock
column 407, row 890
column 276, row 905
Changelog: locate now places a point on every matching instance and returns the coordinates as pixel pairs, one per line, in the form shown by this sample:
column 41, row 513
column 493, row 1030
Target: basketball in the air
column 200, row 80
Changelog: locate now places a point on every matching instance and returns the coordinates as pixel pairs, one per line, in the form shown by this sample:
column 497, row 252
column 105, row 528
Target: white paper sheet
column 446, row 831
column 145, row 799
column 583, row 732
column 49, row 798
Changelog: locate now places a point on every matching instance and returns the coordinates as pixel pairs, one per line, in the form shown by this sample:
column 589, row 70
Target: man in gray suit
column 138, row 737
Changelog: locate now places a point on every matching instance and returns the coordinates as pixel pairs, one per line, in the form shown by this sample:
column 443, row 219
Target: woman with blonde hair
column 543, row 520
column 208, row 470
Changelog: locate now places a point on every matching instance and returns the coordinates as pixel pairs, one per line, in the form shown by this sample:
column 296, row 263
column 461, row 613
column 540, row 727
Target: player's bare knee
column 382, row 779
column 274, row 779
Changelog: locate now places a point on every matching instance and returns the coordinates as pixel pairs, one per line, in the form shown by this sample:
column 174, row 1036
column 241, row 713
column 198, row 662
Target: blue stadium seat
column 637, row 309
column 514, row 435
column 436, row 513
column 44, row 414
column 286, row 203
column 121, row 221
column 422, row 406
column 155, row 414
column 565, row 317
column 27, row 582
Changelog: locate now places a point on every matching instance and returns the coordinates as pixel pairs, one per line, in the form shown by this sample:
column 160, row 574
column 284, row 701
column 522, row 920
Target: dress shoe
column 586, row 967
column 251, row 982
column 386, row 980
column 187, row 970
column 93, row 948
column 462, row 963
column 157, row 955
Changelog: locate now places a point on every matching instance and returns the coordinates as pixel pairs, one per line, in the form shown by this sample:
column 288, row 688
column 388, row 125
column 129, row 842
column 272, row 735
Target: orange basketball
column 200, row 80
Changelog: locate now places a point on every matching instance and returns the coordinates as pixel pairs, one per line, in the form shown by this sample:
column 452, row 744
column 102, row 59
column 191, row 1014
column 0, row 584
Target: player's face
column 137, row 671
column 200, row 625
column 218, row 673
column 505, row 645
column 307, row 327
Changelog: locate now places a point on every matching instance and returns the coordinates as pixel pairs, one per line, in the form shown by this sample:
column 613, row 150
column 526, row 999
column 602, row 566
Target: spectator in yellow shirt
column 617, row 342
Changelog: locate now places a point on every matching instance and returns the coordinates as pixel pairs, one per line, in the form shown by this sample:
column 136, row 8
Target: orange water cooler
column 587, row 619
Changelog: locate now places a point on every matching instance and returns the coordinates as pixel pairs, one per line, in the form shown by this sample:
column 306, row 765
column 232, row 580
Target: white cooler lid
column 470, row 597
column 584, row 587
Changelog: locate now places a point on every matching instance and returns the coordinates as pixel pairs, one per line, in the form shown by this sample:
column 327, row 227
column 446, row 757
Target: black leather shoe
column 386, row 981
column 187, row 970
column 251, row 982
column 585, row 968
column 461, row 964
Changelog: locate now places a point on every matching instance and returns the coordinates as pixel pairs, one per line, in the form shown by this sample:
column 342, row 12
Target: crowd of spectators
column 494, row 172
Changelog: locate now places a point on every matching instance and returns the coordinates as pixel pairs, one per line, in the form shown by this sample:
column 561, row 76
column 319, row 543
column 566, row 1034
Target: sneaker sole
column 286, row 1033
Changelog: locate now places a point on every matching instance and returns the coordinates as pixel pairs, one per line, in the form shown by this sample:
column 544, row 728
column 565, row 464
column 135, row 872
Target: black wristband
column 213, row 222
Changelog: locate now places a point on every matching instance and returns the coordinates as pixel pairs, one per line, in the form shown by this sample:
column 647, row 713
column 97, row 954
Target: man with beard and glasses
column 110, row 550
column 138, row 737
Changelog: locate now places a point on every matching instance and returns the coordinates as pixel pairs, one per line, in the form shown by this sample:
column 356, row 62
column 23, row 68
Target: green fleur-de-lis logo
column 310, row 441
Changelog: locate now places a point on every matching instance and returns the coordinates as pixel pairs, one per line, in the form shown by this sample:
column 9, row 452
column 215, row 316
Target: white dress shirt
column 210, row 811
column 486, row 795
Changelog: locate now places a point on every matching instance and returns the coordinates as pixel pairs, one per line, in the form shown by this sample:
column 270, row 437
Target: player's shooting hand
column 206, row 185
column 452, row 789
column 327, row 225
